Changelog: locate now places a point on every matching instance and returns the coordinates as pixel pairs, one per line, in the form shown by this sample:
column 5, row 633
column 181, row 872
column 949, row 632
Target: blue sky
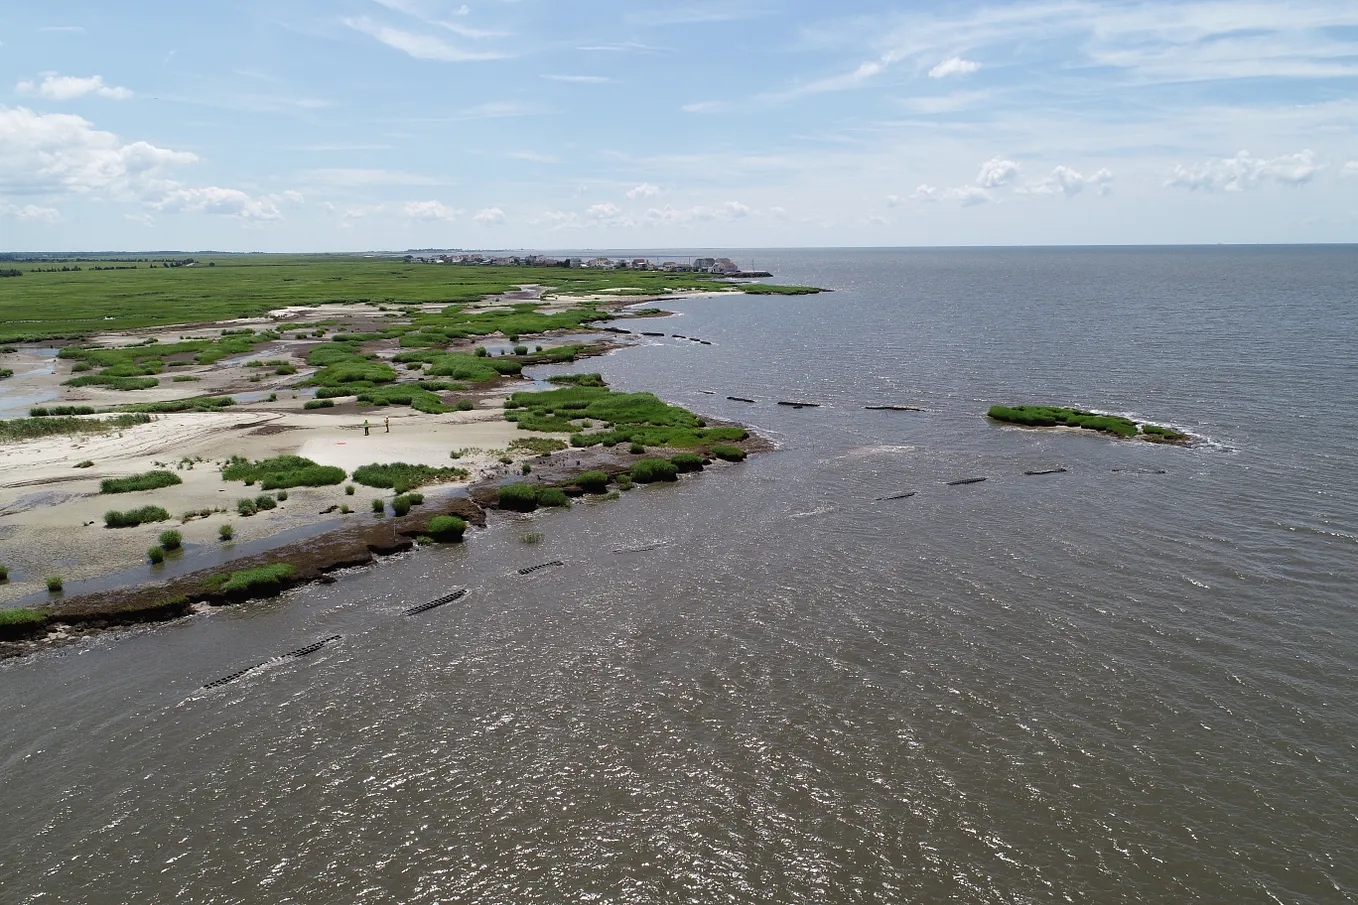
column 357, row 124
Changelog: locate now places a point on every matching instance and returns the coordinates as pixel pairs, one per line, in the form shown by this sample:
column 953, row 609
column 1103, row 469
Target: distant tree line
column 11, row 272
column 20, row 258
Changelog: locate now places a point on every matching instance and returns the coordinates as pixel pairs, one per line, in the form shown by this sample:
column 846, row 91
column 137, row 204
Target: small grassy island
column 1054, row 416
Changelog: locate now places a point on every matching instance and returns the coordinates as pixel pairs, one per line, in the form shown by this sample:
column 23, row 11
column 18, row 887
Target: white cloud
column 419, row 46
column 1069, row 182
column 968, row 195
column 31, row 212
column 230, row 202
column 59, row 154
column 731, row 210
column 580, row 79
column 996, row 172
column 645, row 190
column 1244, row 172
column 490, row 216
column 953, row 66
column 429, row 210
column 69, row 87
column 706, row 107
column 1349, row 169
column 893, row 200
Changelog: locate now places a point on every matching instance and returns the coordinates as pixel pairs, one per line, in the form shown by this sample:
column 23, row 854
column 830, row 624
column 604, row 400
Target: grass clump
column 728, row 453
column 50, row 410
column 156, row 555
column 518, row 497
column 648, row 471
column 172, row 406
column 171, row 540
column 402, row 477
column 553, row 496
column 1157, row 434
column 125, row 384
column 131, row 518
column 319, row 404
column 4, row 576
column 84, row 463
column 579, row 380
column 538, row 445
column 1052, row 416
column 380, row 507
column 687, row 461
column 151, row 480
column 18, row 429
column 401, row 504
column 54, row 584
column 282, row 472
column 593, row 481
column 255, row 582
column 21, row 616
column 460, row 365
column 633, row 418
column 446, row 528
column 226, row 532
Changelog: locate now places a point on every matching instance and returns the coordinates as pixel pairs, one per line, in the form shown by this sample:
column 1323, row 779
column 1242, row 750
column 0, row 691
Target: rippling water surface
column 1135, row 681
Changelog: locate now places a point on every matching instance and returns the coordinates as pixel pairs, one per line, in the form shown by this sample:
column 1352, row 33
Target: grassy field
column 78, row 303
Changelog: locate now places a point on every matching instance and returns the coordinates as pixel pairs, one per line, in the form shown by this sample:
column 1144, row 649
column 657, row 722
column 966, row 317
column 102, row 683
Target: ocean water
column 1134, row 681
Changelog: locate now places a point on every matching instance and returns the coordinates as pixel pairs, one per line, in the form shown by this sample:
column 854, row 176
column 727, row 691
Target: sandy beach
column 52, row 513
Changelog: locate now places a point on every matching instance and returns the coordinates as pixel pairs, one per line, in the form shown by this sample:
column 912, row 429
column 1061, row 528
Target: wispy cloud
column 490, row 216
column 534, row 156
column 697, row 14
column 420, row 46
column 579, row 79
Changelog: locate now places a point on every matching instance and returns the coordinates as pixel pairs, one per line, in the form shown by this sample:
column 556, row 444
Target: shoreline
column 50, row 513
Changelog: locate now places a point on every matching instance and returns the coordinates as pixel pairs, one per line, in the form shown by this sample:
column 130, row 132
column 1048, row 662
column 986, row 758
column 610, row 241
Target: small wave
column 819, row 510
column 879, row 450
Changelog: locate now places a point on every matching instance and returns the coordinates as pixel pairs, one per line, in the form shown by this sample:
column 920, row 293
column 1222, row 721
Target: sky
column 302, row 125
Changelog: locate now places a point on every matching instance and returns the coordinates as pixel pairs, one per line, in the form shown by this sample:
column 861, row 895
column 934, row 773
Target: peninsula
column 163, row 410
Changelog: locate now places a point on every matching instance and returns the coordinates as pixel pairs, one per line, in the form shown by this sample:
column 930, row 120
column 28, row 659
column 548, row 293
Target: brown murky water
column 1130, row 682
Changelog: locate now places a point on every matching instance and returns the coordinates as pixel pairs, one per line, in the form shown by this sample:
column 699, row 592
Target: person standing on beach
column 365, row 427
column 388, row 423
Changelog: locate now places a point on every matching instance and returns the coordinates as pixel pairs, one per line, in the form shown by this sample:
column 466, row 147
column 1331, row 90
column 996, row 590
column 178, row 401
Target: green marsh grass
column 131, row 518
column 648, row 471
column 446, row 528
column 18, row 429
column 283, row 472
column 728, row 453
column 402, row 477
column 151, row 480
